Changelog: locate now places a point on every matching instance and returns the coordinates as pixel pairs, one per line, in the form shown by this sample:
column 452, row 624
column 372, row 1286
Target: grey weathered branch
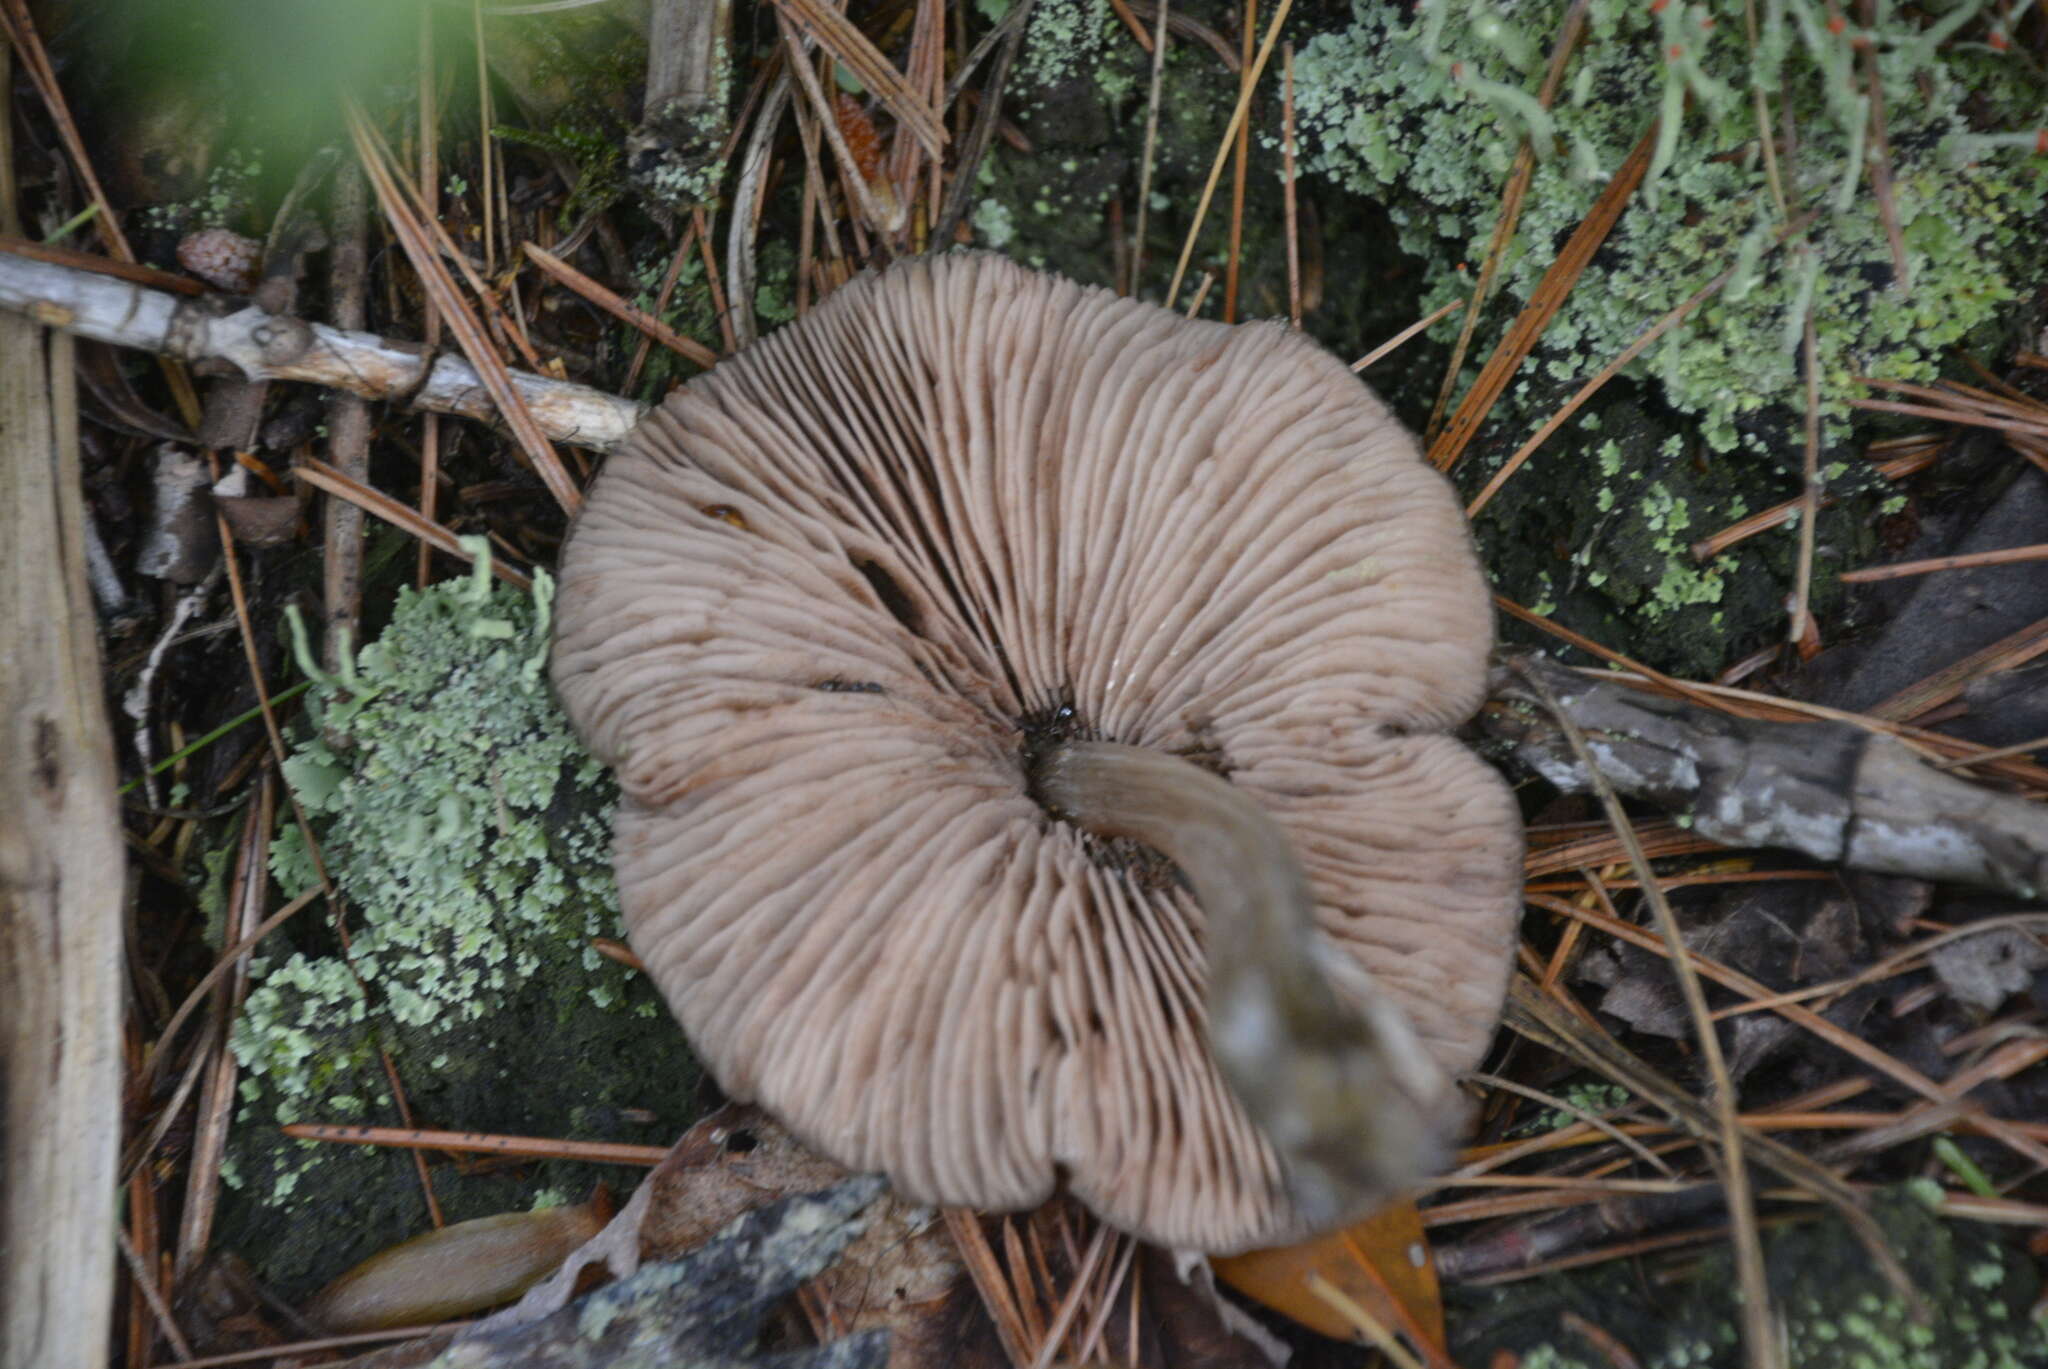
column 278, row 347
column 1829, row 789
column 61, row 886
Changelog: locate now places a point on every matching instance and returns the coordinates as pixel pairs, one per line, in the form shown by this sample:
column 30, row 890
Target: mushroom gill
column 816, row 613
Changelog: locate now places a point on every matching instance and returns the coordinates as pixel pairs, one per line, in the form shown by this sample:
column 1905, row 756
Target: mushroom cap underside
column 829, row 602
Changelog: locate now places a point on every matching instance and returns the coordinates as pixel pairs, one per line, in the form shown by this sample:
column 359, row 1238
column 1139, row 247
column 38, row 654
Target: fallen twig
column 280, row 347
column 1835, row 792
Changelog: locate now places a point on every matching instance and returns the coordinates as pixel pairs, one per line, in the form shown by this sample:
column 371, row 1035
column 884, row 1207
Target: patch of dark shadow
column 893, row 596
column 837, row 685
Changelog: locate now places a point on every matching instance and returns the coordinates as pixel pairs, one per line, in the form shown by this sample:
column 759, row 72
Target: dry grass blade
column 646, row 323
column 1237, row 117
column 1899, row 570
column 848, row 46
column 322, row 476
column 1289, row 222
column 478, row 1143
column 1507, row 1154
column 1400, row 339
column 1240, row 159
column 1370, row 1328
column 461, row 319
column 1544, row 302
column 1760, row 1341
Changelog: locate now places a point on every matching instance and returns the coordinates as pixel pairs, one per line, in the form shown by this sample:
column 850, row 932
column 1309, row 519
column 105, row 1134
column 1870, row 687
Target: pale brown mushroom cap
column 824, row 603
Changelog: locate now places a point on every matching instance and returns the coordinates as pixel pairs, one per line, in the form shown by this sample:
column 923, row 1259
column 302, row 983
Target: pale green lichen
column 1426, row 114
column 468, row 832
column 1063, row 39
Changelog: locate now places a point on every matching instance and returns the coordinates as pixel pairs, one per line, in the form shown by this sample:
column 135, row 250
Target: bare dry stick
column 279, row 347
column 1237, row 117
column 1836, row 792
column 639, row 319
column 61, row 886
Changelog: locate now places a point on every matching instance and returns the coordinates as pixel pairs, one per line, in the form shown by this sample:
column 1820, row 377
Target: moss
column 1837, row 1310
column 468, row 833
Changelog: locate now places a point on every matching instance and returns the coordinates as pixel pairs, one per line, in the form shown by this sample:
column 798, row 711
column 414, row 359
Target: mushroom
column 1030, row 712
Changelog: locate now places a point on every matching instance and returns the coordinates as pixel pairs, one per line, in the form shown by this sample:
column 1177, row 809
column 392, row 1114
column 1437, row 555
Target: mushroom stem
column 1348, row 1097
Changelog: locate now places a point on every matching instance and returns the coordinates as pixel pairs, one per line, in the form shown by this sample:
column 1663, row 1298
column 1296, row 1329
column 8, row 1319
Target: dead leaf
column 1381, row 1263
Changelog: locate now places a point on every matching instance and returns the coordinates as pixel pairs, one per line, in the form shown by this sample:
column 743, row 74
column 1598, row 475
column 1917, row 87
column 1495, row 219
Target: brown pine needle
column 1607, row 373
column 1707, row 548
column 322, row 476
column 1759, row 1340
column 1241, row 157
column 2015, row 649
column 2004, row 557
column 1400, row 339
column 1512, row 196
column 847, row 45
column 478, row 1143
column 619, row 309
column 459, row 317
column 1544, row 302
column 1237, row 117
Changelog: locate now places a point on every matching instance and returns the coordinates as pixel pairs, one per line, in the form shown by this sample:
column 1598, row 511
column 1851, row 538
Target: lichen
column 468, row 833
column 1426, row 114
